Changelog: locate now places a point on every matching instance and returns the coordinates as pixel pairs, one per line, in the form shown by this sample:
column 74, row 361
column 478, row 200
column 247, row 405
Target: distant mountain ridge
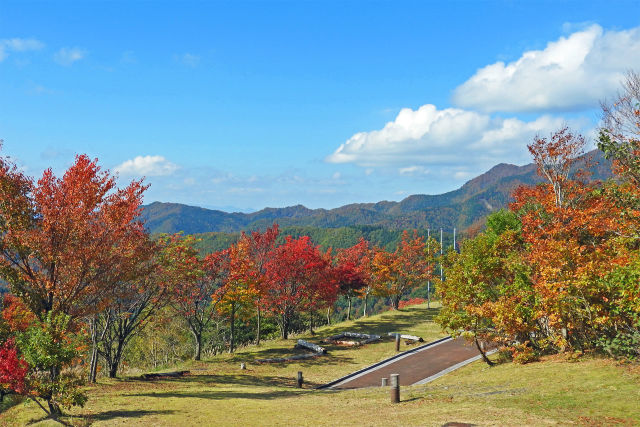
column 458, row 208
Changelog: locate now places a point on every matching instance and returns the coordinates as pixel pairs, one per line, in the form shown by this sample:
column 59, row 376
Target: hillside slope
column 459, row 208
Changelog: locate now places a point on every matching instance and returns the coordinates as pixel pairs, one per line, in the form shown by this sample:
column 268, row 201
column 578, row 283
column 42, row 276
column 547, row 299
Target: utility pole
column 454, row 239
column 428, row 280
column 441, row 254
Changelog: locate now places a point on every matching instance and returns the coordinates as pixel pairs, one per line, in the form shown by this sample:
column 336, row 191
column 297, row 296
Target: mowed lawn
column 552, row 392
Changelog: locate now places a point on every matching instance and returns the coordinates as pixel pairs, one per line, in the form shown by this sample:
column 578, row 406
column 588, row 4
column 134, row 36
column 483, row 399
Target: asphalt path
column 416, row 366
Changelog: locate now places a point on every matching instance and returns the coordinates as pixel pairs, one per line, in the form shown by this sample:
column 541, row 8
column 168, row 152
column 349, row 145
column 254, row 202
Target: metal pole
column 395, row 388
column 441, row 253
column 397, row 342
column 454, row 239
column 428, row 280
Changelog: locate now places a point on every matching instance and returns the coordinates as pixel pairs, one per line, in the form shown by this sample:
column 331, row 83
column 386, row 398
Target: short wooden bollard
column 397, row 342
column 384, row 382
column 395, row 388
column 300, row 380
column 243, row 366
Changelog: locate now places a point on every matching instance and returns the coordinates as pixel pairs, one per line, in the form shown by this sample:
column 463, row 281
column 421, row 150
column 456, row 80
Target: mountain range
column 459, row 208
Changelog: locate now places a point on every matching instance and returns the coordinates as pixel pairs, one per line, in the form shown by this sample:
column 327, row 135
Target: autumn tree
column 167, row 263
column 261, row 245
column 488, row 295
column 353, row 272
column 238, row 292
column 64, row 243
column 405, row 268
column 555, row 156
column 620, row 131
column 196, row 300
column 65, row 240
column 292, row 276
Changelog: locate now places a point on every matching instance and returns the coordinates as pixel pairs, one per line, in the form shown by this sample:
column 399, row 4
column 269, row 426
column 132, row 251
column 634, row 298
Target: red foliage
column 298, row 277
column 68, row 241
column 12, row 368
column 16, row 314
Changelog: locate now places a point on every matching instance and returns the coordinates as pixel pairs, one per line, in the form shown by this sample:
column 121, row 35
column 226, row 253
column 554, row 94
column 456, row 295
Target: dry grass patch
column 552, row 392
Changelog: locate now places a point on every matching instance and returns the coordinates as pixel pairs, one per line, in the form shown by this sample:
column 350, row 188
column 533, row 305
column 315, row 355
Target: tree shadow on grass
column 243, row 379
column 109, row 415
column 73, row 420
column 223, row 394
column 274, row 353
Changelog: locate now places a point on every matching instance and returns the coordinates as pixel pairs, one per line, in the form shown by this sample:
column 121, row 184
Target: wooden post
column 395, row 388
column 397, row 342
column 384, row 382
column 300, row 380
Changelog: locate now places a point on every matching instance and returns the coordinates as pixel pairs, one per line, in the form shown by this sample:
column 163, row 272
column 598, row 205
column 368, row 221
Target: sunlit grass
column 551, row 392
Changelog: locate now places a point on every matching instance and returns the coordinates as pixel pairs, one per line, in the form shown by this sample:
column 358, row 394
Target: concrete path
column 417, row 366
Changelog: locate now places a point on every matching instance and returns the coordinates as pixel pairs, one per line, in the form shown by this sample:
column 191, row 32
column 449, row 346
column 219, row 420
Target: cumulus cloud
column 146, row 166
column 428, row 136
column 18, row 45
column 571, row 73
column 68, row 55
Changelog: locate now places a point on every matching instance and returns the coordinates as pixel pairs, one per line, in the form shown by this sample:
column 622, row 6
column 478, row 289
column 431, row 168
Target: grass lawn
column 552, row 392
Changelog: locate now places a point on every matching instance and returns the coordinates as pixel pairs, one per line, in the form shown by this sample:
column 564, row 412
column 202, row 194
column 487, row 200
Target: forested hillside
column 460, row 208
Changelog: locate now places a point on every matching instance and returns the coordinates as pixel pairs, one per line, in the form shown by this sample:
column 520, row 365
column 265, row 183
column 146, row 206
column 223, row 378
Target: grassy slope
column 554, row 391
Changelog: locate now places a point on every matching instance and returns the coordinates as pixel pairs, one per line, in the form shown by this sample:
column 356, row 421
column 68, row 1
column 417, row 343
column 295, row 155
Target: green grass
column 552, row 392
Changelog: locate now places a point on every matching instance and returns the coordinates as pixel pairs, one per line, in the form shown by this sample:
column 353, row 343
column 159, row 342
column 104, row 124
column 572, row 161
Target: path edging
column 382, row 362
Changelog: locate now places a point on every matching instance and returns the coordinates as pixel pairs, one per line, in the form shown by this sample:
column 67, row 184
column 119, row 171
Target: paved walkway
column 417, row 366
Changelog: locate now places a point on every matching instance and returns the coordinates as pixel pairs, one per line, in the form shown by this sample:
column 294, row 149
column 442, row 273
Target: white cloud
column 18, row 45
column 428, row 136
column 146, row 166
column 571, row 73
column 413, row 170
column 68, row 55
column 188, row 59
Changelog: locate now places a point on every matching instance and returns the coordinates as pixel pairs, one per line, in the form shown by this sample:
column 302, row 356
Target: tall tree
column 196, row 299
column 620, row 130
column 168, row 262
column 293, row 273
column 555, row 156
column 353, row 272
column 64, row 242
column 397, row 272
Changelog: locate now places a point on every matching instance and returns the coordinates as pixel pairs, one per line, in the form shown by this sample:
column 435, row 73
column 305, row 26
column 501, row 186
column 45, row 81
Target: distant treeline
column 337, row 238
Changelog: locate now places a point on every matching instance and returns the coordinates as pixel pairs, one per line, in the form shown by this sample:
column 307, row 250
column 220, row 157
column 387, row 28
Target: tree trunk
column 258, row 328
column 233, row 321
column 285, row 327
column 328, row 315
column 198, row 349
column 395, row 301
column 482, row 353
column 349, row 309
column 311, row 322
column 115, row 362
column 54, row 410
column 366, row 296
column 93, row 365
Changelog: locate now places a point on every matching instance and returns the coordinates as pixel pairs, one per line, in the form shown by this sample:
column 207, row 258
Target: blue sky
column 254, row 104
